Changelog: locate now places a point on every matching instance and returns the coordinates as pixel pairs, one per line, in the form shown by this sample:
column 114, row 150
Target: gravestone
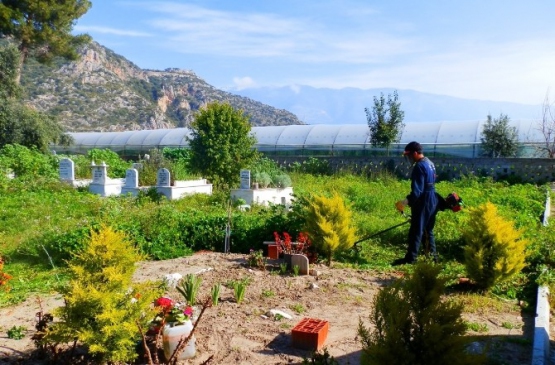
column 131, row 179
column 67, row 170
column 163, row 177
column 302, row 262
column 245, row 179
column 99, row 173
column 101, row 184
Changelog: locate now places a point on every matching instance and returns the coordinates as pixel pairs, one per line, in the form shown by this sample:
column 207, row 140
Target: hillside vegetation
column 103, row 91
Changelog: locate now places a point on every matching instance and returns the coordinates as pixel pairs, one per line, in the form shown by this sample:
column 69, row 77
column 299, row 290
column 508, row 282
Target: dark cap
column 413, row 147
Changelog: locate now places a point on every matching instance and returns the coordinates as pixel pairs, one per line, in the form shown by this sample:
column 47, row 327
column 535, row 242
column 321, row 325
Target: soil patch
column 244, row 334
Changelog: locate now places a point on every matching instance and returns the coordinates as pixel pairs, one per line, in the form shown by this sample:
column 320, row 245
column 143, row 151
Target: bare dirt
column 234, row 333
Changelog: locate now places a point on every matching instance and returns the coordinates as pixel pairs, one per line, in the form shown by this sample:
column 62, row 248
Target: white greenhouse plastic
column 454, row 138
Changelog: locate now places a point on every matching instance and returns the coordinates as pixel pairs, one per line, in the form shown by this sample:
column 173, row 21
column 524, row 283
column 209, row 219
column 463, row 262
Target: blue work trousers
column 423, row 220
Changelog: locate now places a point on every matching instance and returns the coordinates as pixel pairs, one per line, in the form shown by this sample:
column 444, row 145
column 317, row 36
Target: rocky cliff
column 105, row 92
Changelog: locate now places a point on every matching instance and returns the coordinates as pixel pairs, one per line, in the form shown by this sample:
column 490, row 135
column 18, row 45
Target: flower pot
column 172, row 334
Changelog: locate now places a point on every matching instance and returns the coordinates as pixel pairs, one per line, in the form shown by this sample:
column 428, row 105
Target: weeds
column 16, row 332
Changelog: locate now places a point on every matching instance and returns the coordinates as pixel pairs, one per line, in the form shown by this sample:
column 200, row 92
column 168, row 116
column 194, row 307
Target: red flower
column 164, row 302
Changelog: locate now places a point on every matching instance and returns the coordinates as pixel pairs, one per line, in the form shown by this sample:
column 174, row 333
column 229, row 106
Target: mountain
column 346, row 106
column 105, row 92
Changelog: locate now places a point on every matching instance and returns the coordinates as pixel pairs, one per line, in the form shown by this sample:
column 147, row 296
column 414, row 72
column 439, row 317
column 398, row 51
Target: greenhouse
column 456, row 139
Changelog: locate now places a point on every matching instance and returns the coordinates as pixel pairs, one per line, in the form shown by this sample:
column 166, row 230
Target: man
column 423, row 203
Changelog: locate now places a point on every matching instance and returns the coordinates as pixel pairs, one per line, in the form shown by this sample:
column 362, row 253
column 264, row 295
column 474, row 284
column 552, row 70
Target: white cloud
column 108, row 30
column 243, row 82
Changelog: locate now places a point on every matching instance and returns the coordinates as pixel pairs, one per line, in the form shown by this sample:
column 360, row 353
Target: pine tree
column 494, row 249
column 329, row 226
column 102, row 305
column 42, row 28
column 413, row 325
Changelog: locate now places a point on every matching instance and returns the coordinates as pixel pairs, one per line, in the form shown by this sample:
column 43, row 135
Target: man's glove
column 401, row 204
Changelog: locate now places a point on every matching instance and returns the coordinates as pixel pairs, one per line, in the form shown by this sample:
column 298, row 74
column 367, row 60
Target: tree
column 42, row 28
column 20, row 124
column 385, row 120
column 498, row 138
column 495, row 251
column 9, row 60
column 414, row 325
column 221, row 143
column 547, row 128
column 328, row 222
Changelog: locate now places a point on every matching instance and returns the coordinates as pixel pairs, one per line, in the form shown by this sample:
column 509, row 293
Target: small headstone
column 99, row 173
column 67, row 169
column 132, row 178
column 163, row 178
column 302, row 262
column 245, row 179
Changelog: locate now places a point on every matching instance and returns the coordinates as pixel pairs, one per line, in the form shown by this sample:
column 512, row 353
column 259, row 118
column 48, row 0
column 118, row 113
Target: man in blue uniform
column 423, row 203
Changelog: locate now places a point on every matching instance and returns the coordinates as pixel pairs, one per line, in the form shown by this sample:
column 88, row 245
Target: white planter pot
column 172, row 334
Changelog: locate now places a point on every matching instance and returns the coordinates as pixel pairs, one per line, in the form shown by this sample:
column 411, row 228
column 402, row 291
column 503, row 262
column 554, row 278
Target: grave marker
column 67, row 170
column 163, row 178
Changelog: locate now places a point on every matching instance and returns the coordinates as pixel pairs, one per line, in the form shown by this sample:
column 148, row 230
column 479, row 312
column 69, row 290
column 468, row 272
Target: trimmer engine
column 453, row 202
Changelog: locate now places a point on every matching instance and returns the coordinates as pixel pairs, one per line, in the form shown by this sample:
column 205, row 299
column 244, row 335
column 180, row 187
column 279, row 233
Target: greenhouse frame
column 450, row 139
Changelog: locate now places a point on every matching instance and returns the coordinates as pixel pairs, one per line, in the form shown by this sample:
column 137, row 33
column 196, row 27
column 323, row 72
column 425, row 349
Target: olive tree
column 385, row 120
column 221, row 143
column 42, row 28
column 498, row 138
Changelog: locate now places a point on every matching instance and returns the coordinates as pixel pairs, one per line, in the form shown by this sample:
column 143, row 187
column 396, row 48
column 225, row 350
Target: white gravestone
column 99, row 173
column 163, row 178
column 101, row 184
column 245, row 179
column 67, row 170
column 132, row 179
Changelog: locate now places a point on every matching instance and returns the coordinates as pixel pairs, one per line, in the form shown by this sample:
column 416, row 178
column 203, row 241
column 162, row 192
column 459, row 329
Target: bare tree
column 547, row 127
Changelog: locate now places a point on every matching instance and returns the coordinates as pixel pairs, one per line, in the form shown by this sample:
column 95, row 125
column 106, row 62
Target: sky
column 498, row 50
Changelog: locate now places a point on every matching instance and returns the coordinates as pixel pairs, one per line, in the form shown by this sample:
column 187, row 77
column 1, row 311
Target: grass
column 51, row 213
column 477, row 327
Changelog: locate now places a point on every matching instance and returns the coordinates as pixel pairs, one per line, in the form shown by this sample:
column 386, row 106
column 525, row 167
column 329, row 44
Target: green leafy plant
column 318, row 358
column 215, row 294
column 16, row 332
column 268, row 293
column 413, row 325
column 296, row 269
column 283, row 268
column 257, row 259
column 189, row 287
column 495, row 250
column 477, row 327
column 298, row 308
column 239, row 289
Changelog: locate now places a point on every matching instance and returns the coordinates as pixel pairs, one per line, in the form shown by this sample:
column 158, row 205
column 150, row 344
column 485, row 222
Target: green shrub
column 329, row 226
column 26, row 163
column 412, row 325
column 281, row 181
column 262, row 178
column 102, row 305
column 116, row 166
column 495, row 250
